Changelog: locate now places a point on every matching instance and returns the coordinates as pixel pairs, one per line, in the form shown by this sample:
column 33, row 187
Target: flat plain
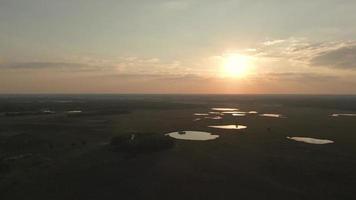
column 47, row 151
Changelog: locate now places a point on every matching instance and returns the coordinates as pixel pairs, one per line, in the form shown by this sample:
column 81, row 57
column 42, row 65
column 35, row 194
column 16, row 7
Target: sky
column 171, row 46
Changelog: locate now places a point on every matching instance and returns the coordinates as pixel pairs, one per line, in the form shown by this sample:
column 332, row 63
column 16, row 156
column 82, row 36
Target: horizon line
column 306, row 94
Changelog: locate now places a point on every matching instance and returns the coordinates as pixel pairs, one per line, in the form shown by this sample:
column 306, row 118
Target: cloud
column 184, row 77
column 153, row 77
column 341, row 58
column 125, row 65
column 281, row 77
column 300, row 77
column 57, row 66
column 272, row 42
column 301, row 52
column 129, row 76
column 292, row 47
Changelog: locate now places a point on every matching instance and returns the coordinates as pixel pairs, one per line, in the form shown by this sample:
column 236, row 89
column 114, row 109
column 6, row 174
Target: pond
column 74, row 111
column 224, row 109
column 310, row 140
column 232, row 126
column 192, row 135
column 214, row 117
column 238, row 114
column 216, row 113
column 272, row 115
column 201, row 114
column 343, row 115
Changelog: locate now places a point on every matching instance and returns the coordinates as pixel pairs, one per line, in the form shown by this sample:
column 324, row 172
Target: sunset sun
column 236, row 65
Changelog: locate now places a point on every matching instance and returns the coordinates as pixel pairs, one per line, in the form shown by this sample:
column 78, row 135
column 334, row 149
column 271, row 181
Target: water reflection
column 216, row 113
column 233, row 126
column 272, row 115
column 310, row 140
column 238, row 114
column 224, row 109
column 74, row 111
column 345, row 115
column 215, row 117
column 192, row 135
column 231, row 112
column 201, row 114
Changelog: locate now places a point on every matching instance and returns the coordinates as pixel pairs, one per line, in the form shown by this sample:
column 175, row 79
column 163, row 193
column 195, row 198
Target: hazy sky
column 156, row 46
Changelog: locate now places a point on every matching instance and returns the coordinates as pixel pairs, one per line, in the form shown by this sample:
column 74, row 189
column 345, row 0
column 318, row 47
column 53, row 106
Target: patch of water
column 343, row 115
column 272, row 115
column 192, row 135
column 74, row 111
column 215, row 117
column 310, row 140
column 238, row 114
column 225, row 109
column 201, row 114
column 233, row 126
column 216, row 113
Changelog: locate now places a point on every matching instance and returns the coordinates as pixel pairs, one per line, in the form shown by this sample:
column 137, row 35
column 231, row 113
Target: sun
column 236, row 65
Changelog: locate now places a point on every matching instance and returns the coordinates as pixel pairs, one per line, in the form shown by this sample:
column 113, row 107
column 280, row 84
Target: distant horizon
column 262, row 94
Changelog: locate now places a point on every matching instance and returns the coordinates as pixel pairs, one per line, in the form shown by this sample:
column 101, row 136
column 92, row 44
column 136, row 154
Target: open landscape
column 118, row 147
column 177, row 100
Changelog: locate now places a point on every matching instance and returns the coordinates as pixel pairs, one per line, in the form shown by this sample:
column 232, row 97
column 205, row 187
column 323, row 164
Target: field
column 61, row 147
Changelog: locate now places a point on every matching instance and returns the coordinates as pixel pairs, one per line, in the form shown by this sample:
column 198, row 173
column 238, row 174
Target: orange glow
column 236, row 65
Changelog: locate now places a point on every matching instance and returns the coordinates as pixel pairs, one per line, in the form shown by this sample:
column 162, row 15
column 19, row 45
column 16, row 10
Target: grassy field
column 61, row 155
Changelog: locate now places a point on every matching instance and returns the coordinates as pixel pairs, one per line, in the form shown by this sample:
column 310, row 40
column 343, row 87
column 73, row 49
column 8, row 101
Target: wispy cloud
column 303, row 52
column 341, row 58
column 154, row 77
column 122, row 65
column 55, row 66
column 272, row 42
column 299, row 77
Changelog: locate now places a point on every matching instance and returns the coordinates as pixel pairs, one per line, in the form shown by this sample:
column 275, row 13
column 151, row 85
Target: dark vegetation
column 61, row 155
column 101, row 104
column 138, row 143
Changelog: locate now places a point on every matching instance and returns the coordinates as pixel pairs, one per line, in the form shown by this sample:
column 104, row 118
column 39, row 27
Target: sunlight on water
column 343, row 115
column 216, row 113
column 310, row 140
column 225, row 109
column 238, row 114
column 215, row 117
column 229, row 126
column 192, row 135
column 231, row 112
column 253, row 112
column 272, row 115
column 201, row 114
column 74, row 111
